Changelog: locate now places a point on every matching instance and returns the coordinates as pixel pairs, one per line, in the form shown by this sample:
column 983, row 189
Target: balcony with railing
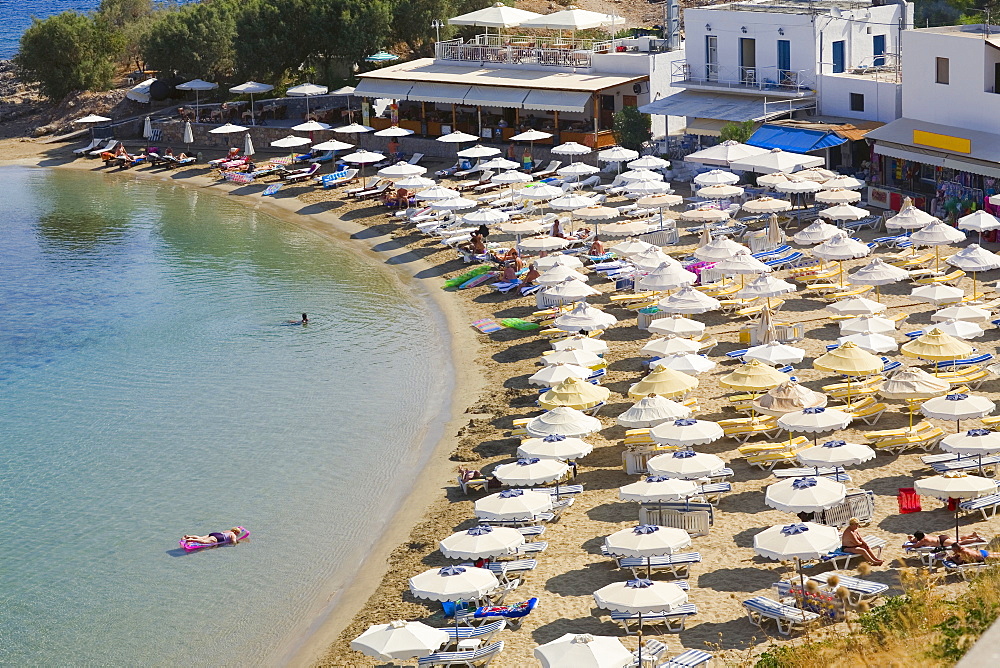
column 769, row 81
column 565, row 52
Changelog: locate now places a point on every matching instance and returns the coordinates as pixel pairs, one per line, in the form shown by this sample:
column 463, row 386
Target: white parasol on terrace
column 197, row 85
column 498, row 15
column 716, row 177
column 776, row 160
column 838, row 196
column 725, row 154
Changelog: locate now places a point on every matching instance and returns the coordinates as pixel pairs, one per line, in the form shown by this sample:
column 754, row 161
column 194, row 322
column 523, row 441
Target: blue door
column 878, row 50
column 838, row 57
column 784, row 62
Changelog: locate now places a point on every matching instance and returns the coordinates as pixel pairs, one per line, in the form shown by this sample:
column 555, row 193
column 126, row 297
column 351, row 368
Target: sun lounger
column 925, row 441
column 987, row 505
column 869, row 414
column 473, row 658
column 806, row 472
column 94, row 143
column 108, row 147
column 483, row 179
column 692, row 658
column 777, row 446
column 713, row 491
column 342, row 177
column 743, row 433
column 858, row 503
column 673, row 621
column 968, row 361
column 761, row 609
column 841, row 560
column 561, row 491
column 512, row 615
column 483, row 632
column 964, row 571
column 953, row 277
column 696, row 523
column 967, row 463
column 876, row 436
column 677, row 565
column 766, row 461
column 859, row 590
column 548, row 170
column 373, row 192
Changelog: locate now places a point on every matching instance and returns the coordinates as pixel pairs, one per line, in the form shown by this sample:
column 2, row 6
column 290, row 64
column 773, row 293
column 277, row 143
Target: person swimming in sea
column 304, row 321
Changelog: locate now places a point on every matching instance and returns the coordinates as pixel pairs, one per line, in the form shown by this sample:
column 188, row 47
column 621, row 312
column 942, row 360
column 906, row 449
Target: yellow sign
column 946, row 142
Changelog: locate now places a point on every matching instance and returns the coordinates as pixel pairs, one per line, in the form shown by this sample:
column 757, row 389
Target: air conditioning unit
column 640, row 88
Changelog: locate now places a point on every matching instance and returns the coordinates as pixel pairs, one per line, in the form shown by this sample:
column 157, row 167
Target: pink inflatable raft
column 191, row 547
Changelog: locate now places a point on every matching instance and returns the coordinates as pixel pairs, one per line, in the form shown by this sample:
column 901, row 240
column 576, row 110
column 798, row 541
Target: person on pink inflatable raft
column 232, row 536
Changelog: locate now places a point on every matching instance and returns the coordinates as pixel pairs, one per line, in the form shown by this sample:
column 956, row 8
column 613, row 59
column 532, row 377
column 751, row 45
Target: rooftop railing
column 516, row 52
column 765, row 79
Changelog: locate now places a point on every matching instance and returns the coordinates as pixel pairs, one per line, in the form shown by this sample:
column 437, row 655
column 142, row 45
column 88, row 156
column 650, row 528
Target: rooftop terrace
column 790, row 6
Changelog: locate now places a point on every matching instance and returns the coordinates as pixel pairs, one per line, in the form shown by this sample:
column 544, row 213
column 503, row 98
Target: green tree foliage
column 740, row 132
column 196, row 40
column 122, row 14
column 68, row 52
column 631, row 128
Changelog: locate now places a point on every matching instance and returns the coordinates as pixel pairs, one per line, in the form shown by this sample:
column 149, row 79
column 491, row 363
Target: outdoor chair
column 474, row 658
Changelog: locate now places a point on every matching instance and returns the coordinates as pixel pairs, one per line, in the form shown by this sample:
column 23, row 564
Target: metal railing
column 527, row 53
column 744, row 78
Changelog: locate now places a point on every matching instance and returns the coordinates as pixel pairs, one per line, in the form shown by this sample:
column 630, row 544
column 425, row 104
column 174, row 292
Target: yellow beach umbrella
column 754, row 376
column 936, row 346
column 665, row 382
column 849, row 360
column 574, row 393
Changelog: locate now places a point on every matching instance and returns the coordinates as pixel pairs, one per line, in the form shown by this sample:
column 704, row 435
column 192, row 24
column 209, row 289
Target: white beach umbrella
column 837, row 454
column 937, row 294
column 248, row 148
column 505, row 165
column 658, row 489
column 957, row 407
column 631, row 247
column 843, row 212
column 686, row 432
column 617, row 154
column 453, row 583
column 550, row 261
column 308, row 90
column 775, row 353
column 197, row 85
column 485, row 217
column 765, row 286
column 640, row 175
column 649, row 162
column 512, row 504
column 666, row 277
column 955, row 485
column 870, row 341
column 688, row 363
column 565, row 421
column 766, row 205
column 804, row 495
column 583, row 651
column 720, row 249
column 838, row 196
column 742, row 264
column 651, row 259
column 531, row 471
column 670, row 346
column 188, row 134
column 974, row 259
column 571, row 201
column 498, row 15
column 725, row 154
column 581, row 342
column 909, row 218
column 478, row 151
column 961, row 329
column 400, row 171
column 332, row 145
column 867, row 325
column 363, row 157
column 963, row 312
column 677, row 326
column 840, row 181
column 647, row 541
column 393, row 131
column 310, row 126
column 979, row 221
column 553, row 374
column 520, row 227
column 815, row 420
column 640, row 189
column 439, row 193
column 558, row 274
column 451, row 204
column 577, row 169
column 92, row 118
column 251, row 88
column 797, row 187
column 584, row 317
column 531, row 135
column 719, row 192
column 776, row 160
column 817, row 232
column 626, row 229
column 640, row 597
column 291, row 141
column 859, row 306
column 651, row 411
column 400, row 640
column 841, row 247
column 686, row 464
column 457, row 137
column 584, row 358
column 555, row 446
column 716, row 177
column 689, row 301
column 975, row 442
column 354, row 128
column 481, row 542
column 541, row 192
column 704, row 214
column 569, row 289
column 804, row 540
column 571, row 148
column 878, row 273
column 772, row 180
column 228, row 128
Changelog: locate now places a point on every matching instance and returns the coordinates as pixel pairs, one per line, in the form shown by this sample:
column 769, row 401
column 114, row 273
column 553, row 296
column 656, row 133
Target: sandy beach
column 491, row 390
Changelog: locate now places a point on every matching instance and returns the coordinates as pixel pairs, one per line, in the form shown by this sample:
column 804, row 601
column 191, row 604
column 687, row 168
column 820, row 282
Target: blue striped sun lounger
column 761, row 609
column 674, row 621
column 860, row 590
column 692, row 658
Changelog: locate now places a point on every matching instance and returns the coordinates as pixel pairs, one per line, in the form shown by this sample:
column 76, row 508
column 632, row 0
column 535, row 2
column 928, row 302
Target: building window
column 941, row 70
column 857, row 102
column 839, row 57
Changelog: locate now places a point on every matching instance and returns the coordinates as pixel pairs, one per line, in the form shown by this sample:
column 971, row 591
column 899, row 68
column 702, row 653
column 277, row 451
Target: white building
column 945, row 149
column 766, row 59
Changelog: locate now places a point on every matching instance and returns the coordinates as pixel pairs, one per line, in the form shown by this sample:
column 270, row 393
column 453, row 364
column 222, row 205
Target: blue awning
column 797, row 140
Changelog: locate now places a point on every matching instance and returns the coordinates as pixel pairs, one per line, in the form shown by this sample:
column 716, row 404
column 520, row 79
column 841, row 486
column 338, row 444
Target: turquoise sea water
column 148, row 388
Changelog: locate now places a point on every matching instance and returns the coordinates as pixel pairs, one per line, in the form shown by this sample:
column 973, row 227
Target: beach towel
column 459, row 280
column 487, row 325
column 518, row 323
column 271, row 190
column 511, row 611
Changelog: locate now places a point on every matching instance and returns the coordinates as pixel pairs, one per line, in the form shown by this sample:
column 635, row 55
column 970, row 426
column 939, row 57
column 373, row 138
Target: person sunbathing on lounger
column 920, row 539
column 966, row 555
column 509, row 272
column 852, row 542
column 532, row 274
column 596, row 248
column 476, row 245
column 217, row 538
